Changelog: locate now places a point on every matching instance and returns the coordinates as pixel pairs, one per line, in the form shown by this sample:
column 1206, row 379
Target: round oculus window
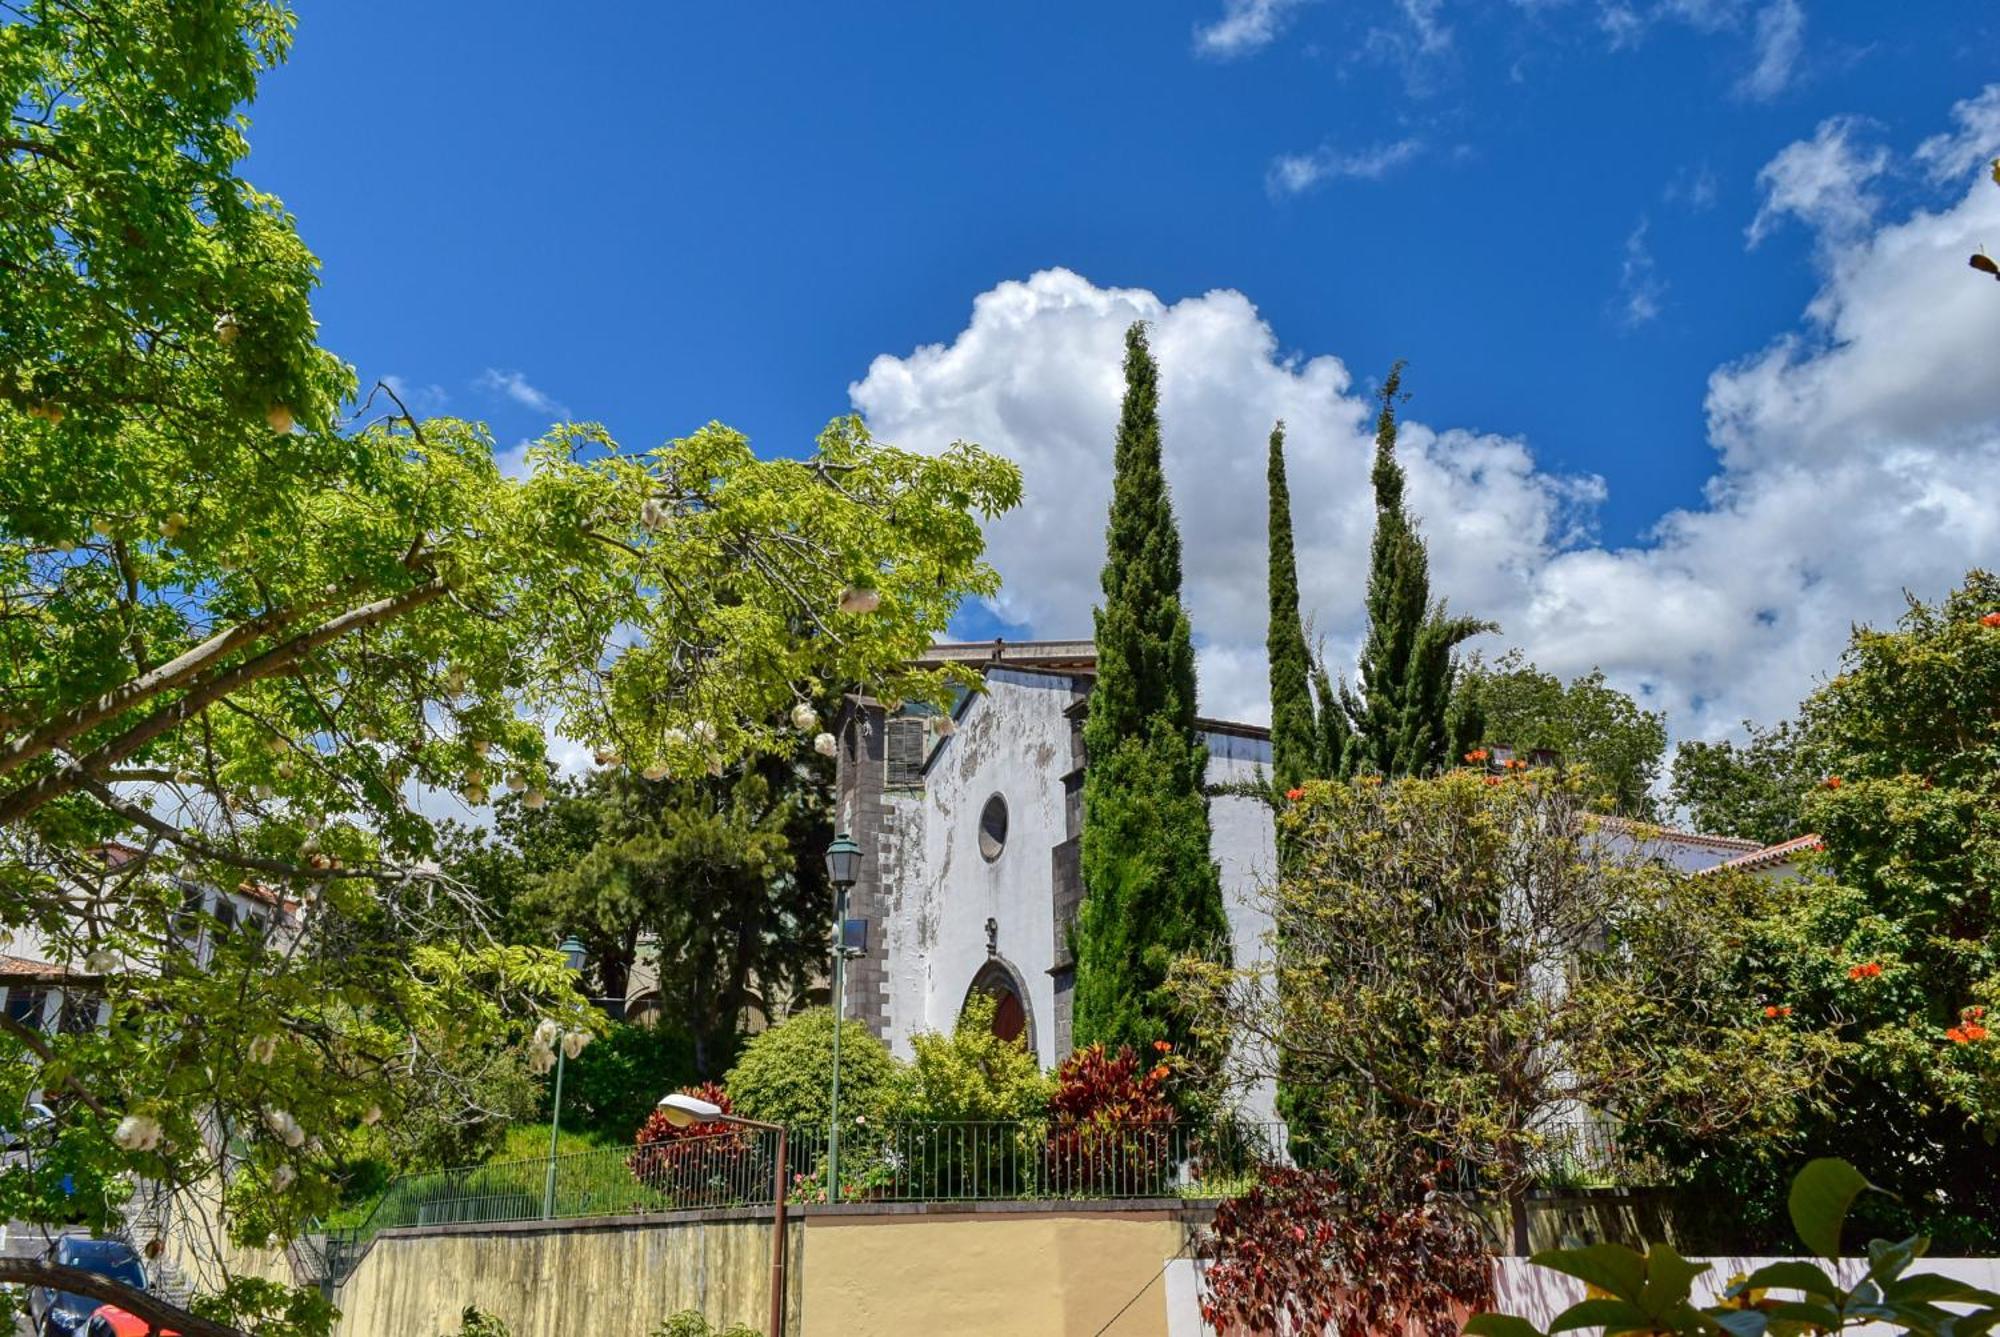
column 993, row 828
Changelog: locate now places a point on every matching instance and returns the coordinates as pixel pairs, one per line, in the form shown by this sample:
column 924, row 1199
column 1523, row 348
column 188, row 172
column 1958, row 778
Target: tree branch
column 42, row 1051
column 54, row 785
column 162, row 1316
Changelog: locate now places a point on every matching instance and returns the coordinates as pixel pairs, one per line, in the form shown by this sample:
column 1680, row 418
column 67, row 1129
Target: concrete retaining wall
column 612, row 1278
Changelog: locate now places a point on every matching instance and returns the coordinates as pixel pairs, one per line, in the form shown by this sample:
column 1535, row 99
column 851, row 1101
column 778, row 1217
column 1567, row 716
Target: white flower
column 101, row 962
column 943, row 726
column 475, row 794
column 548, row 1032
column 172, row 523
column 226, row 328
column 703, row 731
column 454, row 682
column 715, row 767
column 675, row 738
column 854, row 599
column 517, row 781
column 534, row 798
column 283, row 1178
column 372, row 1115
column 804, row 718
column 657, row 771
column 262, row 791
column 263, row 1048
column 481, row 747
column 184, row 777
column 137, row 1132
column 284, row 1127
column 605, row 756
column 826, row 745
column 652, row 513
column 574, row 1042
column 541, row 1059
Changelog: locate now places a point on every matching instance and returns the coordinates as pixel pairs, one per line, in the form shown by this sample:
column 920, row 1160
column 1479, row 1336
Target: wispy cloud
column 1974, row 143
column 1245, row 26
column 423, row 399
column 1295, row 173
column 1823, row 182
column 516, row 387
column 1694, row 187
column 1780, row 36
column 1640, row 287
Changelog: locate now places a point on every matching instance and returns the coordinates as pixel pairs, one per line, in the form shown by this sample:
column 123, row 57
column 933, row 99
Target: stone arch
column 1013, row 1017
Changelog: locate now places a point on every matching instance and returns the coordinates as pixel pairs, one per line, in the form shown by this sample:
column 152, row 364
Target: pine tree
column 1400, row 712
column 1295, row 751
column 1152, row 892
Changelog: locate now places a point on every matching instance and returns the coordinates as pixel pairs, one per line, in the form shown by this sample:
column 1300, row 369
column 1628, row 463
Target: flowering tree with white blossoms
column 240, row 635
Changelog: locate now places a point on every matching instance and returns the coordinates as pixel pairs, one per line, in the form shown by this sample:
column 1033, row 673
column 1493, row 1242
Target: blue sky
column 659, row 215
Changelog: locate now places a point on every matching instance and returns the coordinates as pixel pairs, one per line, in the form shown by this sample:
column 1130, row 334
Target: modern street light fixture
column 843, row 866
column 684, row 1111
column 573, row 957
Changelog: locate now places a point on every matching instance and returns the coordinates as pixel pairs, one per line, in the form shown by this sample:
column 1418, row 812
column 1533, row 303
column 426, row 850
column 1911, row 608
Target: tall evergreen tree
column 1152, row 893
column 1402, row 709
column 1294, row 733
column 1331, row 735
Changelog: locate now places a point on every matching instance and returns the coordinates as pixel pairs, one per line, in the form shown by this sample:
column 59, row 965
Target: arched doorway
column 1011, row 1018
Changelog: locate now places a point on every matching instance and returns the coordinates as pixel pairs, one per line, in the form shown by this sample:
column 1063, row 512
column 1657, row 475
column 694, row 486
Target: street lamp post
column 843, row 863
column 683, row 1111
column 573, row 957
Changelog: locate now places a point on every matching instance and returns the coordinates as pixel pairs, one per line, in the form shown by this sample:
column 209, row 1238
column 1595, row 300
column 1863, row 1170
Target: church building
column 970, row 827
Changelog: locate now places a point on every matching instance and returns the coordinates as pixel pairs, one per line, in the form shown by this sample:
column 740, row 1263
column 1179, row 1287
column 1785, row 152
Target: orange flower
column 1867, row 970
column 1161, row 1073
column 1956, row 1036
column 1295, row 794
column 1778, row 1011
column 1972, row 1013
column 1162, row 1047
column 1975, row 1031
column 1477, row 754
column 1492, row 779
column 1831, row 782
column 1990, row 620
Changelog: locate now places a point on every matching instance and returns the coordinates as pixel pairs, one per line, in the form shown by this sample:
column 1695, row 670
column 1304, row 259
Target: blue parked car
column 54, row 1313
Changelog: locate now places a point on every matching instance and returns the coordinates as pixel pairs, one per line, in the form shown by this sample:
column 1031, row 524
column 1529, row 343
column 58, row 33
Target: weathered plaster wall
column 616, row 1278
column 1012, row 741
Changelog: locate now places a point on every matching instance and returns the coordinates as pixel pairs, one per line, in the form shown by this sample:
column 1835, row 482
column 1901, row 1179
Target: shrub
column 1298, row 1253
column 956, row 1111
column 703, row 1162
column 476, row 1322
column 692, row 1323
column 785, row 1074
column 1112, row 1124
column 969, row 1074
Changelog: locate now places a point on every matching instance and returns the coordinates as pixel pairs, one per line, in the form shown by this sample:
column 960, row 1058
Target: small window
column 993, row 828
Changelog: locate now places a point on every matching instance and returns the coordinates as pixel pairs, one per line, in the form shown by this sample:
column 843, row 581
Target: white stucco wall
column 1013, row 741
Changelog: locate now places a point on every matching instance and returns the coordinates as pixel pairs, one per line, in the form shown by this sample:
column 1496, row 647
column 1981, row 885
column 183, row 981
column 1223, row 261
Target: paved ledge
column 878, row 1211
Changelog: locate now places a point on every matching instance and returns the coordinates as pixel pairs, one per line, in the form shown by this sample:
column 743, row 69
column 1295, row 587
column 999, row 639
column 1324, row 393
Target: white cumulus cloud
column 1974, row 143
column 1855, row 459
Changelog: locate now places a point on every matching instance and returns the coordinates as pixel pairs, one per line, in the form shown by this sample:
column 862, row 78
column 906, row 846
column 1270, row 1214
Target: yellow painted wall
column 1012, row 1273
column 575, row 1280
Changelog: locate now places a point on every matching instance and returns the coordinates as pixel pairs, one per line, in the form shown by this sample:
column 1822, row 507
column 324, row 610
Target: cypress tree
column 1151, row 891
column 1294, row 742
column 1330, row 735
column 1400, row 713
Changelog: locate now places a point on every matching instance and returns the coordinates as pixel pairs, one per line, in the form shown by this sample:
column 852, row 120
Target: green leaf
column 1500, row 1325
column 1612, row 1268
column 1745, row 1322
column 1811, row 1315
column 1888, row 1261
column 1668, row 1277
column 1820, row 1197
column 1976, row 1324
column 1611, row 1315
column 1935, row 1288
column 1790, row 1275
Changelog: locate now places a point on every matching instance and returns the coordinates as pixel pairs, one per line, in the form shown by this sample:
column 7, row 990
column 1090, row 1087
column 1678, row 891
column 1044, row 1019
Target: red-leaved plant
column 1111, row 1129
column 1299, row 1253
column 685, row 1164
